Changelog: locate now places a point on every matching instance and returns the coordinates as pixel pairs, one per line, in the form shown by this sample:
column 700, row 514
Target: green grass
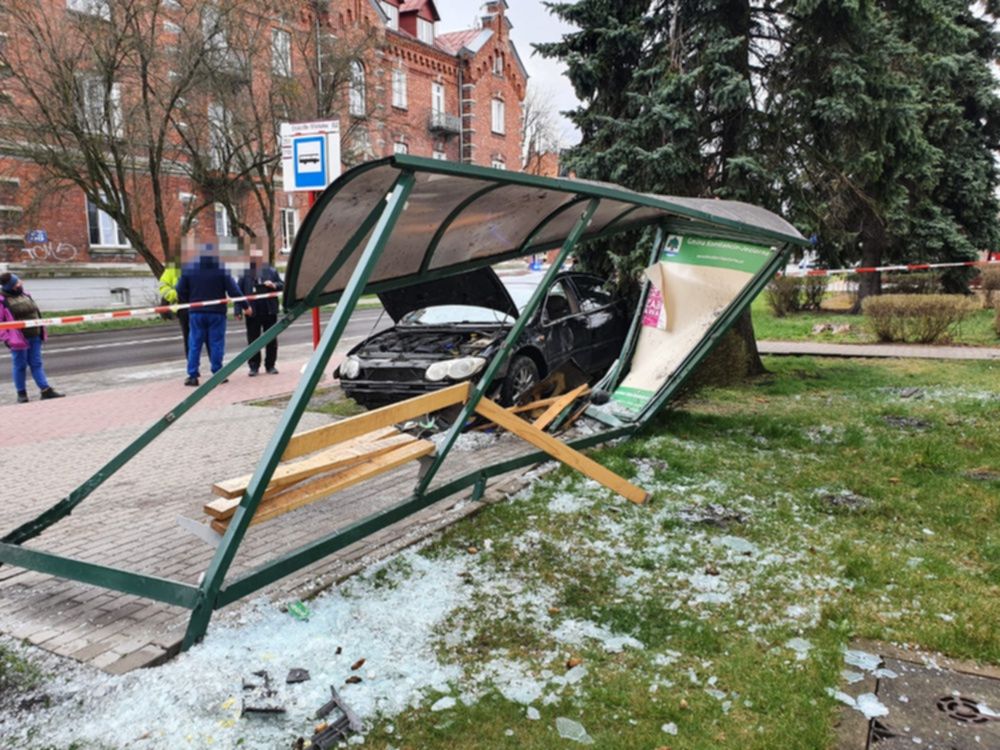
column 16, row 673
column 917, row 561
column 978, row 330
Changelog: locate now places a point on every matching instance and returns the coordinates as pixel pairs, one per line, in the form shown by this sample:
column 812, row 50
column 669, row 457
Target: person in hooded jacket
column 207, row 280
column 25, row 344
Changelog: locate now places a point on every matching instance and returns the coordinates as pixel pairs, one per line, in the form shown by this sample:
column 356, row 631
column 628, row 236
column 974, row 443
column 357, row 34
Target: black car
column 447, row 331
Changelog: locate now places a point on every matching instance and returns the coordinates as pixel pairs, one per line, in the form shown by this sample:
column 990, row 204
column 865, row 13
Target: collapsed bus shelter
column 399, row 221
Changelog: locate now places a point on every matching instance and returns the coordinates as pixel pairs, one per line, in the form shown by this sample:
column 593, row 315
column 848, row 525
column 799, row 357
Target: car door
column 603, row 320
column 565, row 331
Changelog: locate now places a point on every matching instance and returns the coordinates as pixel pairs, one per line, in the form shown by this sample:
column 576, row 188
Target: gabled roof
column 408, row 6
column 471, row 40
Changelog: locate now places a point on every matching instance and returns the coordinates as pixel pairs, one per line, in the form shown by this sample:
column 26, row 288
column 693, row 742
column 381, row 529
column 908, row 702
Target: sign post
column 310, row 160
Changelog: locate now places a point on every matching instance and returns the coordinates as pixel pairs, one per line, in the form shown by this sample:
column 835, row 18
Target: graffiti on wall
column 45, row 252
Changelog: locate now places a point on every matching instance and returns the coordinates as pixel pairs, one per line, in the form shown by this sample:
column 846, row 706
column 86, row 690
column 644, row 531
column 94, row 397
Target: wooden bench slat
column 318, row 488
column 558, row 406
column 322, row 437
column 349, row 452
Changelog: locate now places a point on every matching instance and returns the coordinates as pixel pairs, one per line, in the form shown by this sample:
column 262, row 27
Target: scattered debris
column 442, row 704
column 711, row 514
column 573, row 661
column 800, row 646
column 260, row 697
column 911, row 393
column 353, row 679
column 862, row 659
column 329, row 733
column 573, row 730
column 670, row 728
column 296, row 675
column 357, row 665
column 906, row 423
column 983, row 475
column 533, row 713
column 845, row 500
column 711, row 570
column 299, row 611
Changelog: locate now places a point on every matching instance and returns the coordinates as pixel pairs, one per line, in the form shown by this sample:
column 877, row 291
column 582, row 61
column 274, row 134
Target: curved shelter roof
column 459, row 217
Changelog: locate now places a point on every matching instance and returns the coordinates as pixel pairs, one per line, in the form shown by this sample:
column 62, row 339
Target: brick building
column 394, row 81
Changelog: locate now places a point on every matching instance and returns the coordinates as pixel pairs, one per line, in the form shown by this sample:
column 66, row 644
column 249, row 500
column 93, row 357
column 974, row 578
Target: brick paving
column 130, row 522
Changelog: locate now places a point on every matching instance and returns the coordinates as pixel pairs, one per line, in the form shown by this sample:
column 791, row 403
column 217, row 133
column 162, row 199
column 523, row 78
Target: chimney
column 493, row 10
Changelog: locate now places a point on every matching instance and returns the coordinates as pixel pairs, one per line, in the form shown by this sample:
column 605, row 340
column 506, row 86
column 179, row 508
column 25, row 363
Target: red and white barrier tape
column 138, row 313
column 904, row 267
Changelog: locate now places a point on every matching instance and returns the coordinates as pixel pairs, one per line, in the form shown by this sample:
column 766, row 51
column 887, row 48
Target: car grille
column 402, row 374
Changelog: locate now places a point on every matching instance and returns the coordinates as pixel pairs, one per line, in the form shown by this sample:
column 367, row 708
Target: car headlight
column 459, row 369
column 437, row 371
column 350, row 368
column 455, row 369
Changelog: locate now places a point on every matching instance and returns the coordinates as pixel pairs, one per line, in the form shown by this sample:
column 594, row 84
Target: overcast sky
column 531, row 23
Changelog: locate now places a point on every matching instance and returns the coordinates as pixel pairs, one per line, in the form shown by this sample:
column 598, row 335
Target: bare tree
column 540, row 129
column 96, row 102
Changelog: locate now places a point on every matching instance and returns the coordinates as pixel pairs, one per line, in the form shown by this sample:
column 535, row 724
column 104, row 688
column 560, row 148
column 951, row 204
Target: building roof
column 470, row 39
column 408, row 6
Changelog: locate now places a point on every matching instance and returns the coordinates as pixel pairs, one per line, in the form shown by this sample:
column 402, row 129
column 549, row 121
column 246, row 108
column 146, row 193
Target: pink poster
column 653, row 316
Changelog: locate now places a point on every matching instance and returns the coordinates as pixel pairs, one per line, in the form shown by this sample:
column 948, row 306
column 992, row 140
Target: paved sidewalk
column 905, row 351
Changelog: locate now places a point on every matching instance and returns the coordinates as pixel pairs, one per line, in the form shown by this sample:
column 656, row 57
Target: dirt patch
column 906, row 423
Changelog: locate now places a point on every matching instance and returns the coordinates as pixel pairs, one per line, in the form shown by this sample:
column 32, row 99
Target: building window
column 498, row 116
column 425, row 31
column 90, row 7
column 212, row 29
column 439, row 155
column 281, row 53
column 223, row 227
column 498, row 163
column 356, row 89
column 101, row 106
column 121, row 296
column 437, row 98
column 400, row 148
column 393, row 12
column 218, row 135
column 399, row 88
column 104, row 231
column 289, row 226
column 498, row 64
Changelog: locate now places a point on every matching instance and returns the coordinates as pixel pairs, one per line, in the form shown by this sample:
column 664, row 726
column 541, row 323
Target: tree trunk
column 752, row 363
column 873, row 239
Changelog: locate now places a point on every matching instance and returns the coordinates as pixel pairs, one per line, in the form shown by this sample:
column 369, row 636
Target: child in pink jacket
column 25, row 344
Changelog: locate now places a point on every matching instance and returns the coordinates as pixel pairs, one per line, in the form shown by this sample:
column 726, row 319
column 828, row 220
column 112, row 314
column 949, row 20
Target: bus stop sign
column 310, row 154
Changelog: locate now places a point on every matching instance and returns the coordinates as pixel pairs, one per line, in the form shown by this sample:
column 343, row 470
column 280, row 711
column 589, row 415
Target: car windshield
column 520, row 292
column 451, row 314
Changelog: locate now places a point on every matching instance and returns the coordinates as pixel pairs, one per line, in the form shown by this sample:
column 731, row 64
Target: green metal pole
column 216, row 573
column 515, row 332
column 65, row 506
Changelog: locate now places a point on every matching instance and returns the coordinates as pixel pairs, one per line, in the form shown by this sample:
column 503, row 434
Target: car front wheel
column 522, row 375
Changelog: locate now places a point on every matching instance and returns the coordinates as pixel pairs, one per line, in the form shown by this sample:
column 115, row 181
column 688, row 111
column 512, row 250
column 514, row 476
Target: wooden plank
column 321, row 487
column 540, row 404
column 560, row 451
column 558, row 406
column 349, row 452
column 345, row 429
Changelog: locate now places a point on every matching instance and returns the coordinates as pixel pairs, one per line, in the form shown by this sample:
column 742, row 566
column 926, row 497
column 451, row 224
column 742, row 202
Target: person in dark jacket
column 207, row 280
column 261, row 278
column 25, row 344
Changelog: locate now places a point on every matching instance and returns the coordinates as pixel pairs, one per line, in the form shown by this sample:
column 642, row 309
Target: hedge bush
column 990, row 285
column 920, row 318
column 912, row 283
column 790, row 294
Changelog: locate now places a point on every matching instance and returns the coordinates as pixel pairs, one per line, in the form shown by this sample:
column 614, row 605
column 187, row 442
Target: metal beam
column 240, row 522
column 149, row 587
column 505, row 349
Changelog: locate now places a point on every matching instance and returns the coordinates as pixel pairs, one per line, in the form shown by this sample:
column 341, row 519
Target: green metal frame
column 213, row 592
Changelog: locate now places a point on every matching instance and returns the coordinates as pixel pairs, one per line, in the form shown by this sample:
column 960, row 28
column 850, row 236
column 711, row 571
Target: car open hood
column 480, row 288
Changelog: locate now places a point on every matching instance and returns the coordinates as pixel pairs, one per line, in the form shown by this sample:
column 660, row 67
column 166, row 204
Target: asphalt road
column 101, row 350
